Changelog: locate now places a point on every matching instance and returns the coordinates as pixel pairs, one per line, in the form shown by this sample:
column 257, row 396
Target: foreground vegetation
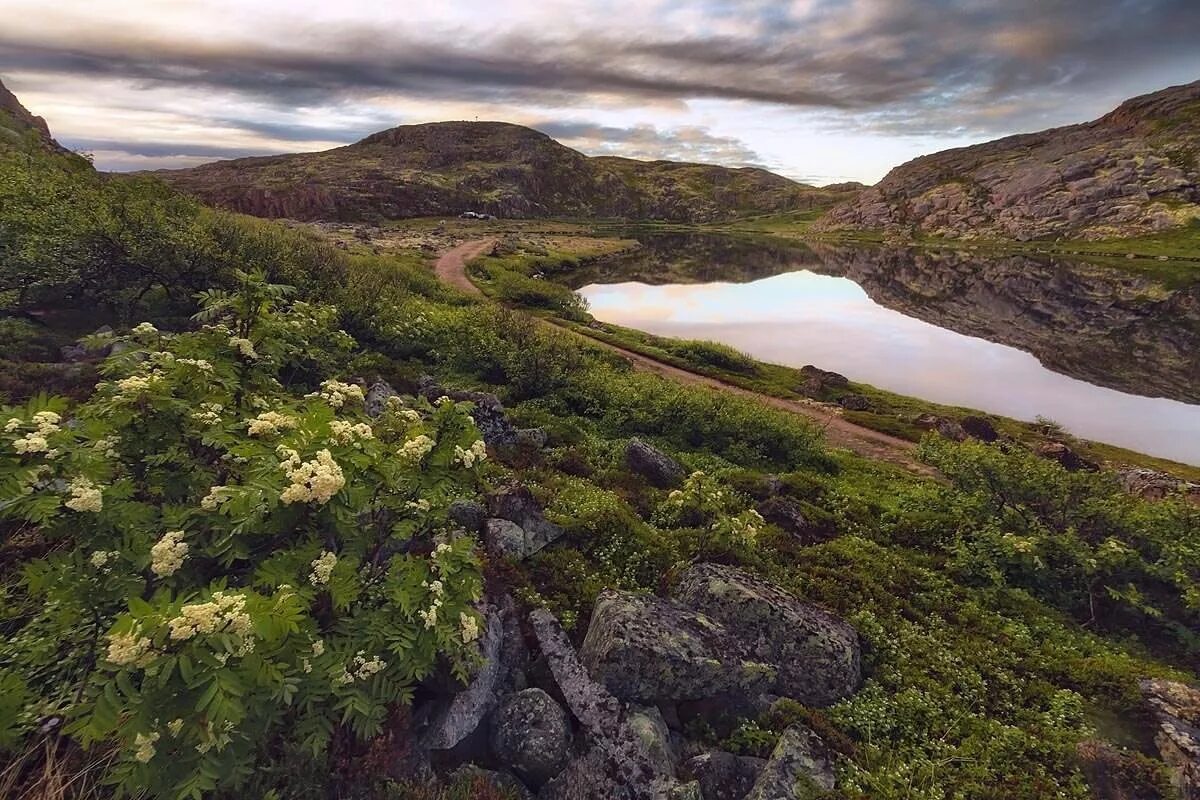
column 220, row 577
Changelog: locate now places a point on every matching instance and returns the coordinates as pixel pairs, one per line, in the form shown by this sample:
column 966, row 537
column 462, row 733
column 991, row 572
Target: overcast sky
column 819, row 90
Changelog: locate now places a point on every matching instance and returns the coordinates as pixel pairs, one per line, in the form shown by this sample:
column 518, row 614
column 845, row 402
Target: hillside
column 493, row 167
column 17, row 122
column 1132, row 172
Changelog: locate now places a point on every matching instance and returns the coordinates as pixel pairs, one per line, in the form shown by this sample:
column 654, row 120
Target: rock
column 979, row 428
column 375, row 402
column 488, row 412
column 467, row 514
column 1065, row 456
column 647, row 649
column 825, row 377
column 817, row 654
column 505, row 539
column 788, row 514
column 517, row 504
column 947, row 428
column 1112, row 774
column 1176, row 710
column 723, row 776
column 654, row 465
column 532, row 735
column 1154, row 485
column 501, row 672
column 624, row 757
column 855, row 402
column 800, row 767
column 489, row 783
column 534, row 438
column 724, row 713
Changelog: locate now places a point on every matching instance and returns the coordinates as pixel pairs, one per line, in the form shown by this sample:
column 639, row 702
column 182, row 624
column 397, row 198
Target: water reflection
column 879, row 327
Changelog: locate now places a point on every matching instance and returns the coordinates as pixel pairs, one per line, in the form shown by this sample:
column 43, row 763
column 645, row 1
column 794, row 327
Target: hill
column 493, row 167
column 18, row 123
column 1134, row 171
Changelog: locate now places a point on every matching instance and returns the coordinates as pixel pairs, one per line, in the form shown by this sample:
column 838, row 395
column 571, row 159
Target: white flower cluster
column 225, row 612
column 101, row 559
column 199, row 363
column 350, row 433
column 421, row 505
column 168, row 553
column 45, row 424
column 416, row 448
column 270, row 423
column 216, row 497
column 244, row 346
column 436, row 590
column 363, row 669
column 144, row 329
column 85, row 496
column 129, row 649
column 136, row 385
column 174, row 727
column 471, row 456
column 322, row 568
column 315, row 481
column 209, row 413
column 337, row 394
column 469, row 626
column 107, row 445
column 145, row 741
column 396, row 405
column 744, row 527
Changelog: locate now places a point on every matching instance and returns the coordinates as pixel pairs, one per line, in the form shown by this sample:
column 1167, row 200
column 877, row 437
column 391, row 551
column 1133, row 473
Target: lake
column 1110, row 355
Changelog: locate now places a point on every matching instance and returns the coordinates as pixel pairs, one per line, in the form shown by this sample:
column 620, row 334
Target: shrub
column 713, row 354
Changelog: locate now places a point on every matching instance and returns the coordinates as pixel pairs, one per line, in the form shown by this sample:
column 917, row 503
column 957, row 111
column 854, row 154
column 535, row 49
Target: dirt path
column 839, row 432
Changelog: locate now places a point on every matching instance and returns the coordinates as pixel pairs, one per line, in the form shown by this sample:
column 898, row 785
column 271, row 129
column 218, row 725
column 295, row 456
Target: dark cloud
column 688, row 143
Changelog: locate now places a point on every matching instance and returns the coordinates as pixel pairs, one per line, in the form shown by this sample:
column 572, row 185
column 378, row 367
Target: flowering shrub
column 703, row 502
column 237, row 570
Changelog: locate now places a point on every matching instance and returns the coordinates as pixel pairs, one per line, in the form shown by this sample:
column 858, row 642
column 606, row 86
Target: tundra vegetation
column 219, row 576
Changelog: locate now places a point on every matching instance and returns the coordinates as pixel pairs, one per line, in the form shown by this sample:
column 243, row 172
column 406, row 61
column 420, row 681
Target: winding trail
column 451, row 269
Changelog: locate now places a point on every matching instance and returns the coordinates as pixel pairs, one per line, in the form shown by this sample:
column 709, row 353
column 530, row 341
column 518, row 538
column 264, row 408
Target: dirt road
column 839, row 432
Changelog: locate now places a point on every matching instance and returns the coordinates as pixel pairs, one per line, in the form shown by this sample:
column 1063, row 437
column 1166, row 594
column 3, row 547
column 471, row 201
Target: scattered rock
column 1154, row 485
column 490, row 417
column 817, row 654
column 516, row 504
column 800, row 767
column 855, row 402
column 1113, row 774
column 979, row 428
column 1176, row 709
column 1065, row 456
column 505, row 539
column 788, row 514
column 825, row 377
column 467, row 514
column 947, row 428
column 375, row 402
column 532, row 735
column 646, row 649
column 654, row 465
column 723, row 776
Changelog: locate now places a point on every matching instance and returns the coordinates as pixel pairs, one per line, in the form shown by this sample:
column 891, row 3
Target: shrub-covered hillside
column 302, row 523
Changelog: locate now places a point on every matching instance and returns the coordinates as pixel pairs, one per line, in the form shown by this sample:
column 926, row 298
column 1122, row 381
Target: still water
column 802, row 317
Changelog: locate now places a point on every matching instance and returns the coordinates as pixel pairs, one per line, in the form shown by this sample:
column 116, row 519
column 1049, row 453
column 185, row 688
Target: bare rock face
column 817, row 654
column 17, row 121
column 800, row 768
column 1176, row 708
column 1128, row 173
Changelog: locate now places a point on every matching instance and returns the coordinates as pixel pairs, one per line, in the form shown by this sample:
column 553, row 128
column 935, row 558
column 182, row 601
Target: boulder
column 647, row 649
column 505, row 539
column 375, row 402
column 824, row 377
column 488, row 412
column 500, row 673
column 946, row 428
column 531, row 735
column 1176, row 710
column 855, row 402
column 980, row 428
column 723, row 776
column 789, row 516
column 467, row 514
column 1154, row 485
column 1066, row 457
column 516, row 504
column 800, row 768
column 654, row 465
column 817, row 654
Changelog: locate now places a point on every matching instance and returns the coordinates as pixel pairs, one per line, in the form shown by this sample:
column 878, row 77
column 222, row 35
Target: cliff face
column 1134, row 171
column 16, row 121
column 497, row 168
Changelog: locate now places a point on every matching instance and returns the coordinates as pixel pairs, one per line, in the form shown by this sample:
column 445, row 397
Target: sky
column 821, row 91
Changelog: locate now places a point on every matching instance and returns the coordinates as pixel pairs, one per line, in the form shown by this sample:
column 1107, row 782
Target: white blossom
column 224, row 612
column 168, row 553
column 270, row 423
column 348, row 433
column 322, row 568
column 337, row 393
column 129, row 649
column 244, row 346
column 315, row 481
column 416, row 448
column 85, row 496
column 145, row 745
column 470, row 627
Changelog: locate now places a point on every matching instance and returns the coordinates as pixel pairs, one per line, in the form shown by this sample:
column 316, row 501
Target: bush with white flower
column 705, row 502
column 239, row 566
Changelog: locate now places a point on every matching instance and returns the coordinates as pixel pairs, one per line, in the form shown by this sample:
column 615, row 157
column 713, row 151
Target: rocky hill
column 1134, row 171
column 492, row 167
column 17, row 123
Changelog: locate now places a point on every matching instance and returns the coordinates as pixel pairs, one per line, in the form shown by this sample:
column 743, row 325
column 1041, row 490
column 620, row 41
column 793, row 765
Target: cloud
column 687, row 143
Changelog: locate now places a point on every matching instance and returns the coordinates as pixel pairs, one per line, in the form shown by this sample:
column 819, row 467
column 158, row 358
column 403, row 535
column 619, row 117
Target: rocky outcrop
column 1067, row 458
column 723, row 776
column 532, row 736
column 17, row 123
column 790, row 516
column 653, row 464
column 517, row 529
column 1154, row 485
column 1176, row 710
column 1131, row 172
column 800, row 768
column 495, row 168
column 816, row 654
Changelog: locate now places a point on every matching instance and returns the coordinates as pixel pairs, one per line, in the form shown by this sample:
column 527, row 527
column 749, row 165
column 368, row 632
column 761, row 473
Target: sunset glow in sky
column 818, row 90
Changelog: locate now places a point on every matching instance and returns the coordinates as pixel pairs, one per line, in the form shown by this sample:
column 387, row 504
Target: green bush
column 713, row 354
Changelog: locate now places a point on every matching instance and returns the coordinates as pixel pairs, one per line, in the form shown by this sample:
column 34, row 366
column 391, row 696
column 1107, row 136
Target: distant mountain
column 492, row 167
column 17, row 123
column 1134, row 171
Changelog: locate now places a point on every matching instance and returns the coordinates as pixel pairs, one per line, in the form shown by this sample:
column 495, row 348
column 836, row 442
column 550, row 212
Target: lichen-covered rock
column 467, row 514
column 723, row 776
column 488, row 412
column 789, row 515
column 505, row 539
column 375, row 402
column 800, row 768
column 1065, row 456
column 1176, row 708
column 855, row 402
column 517, row 504
column 980, row 428
column 653, row 464
column 531, row 735
column 817, row 654
column 647, row 649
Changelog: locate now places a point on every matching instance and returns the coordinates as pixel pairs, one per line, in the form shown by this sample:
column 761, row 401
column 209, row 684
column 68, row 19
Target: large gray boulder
column 658, row 468
column 724, row 776
column 800, row 768
column 375, row 403
column 1176, row 710
column 817, row 654
column 647, row 649
column 517, row 505
column 531, row 735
